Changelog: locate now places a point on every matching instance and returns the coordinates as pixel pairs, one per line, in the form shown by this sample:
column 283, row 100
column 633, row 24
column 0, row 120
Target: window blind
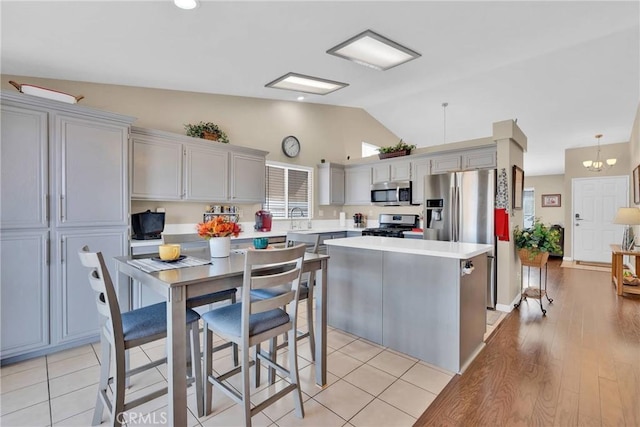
column 288, row 188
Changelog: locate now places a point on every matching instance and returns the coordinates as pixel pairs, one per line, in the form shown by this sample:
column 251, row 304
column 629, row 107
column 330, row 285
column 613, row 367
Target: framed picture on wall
column 518, row 187
column 551, row 200
column 636, row 185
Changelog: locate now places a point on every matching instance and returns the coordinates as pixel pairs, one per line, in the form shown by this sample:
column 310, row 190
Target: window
column 528, row 207
column 369, row 149
column 289, row 187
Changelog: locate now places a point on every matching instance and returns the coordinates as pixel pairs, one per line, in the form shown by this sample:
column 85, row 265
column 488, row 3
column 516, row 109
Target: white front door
column 595, row 203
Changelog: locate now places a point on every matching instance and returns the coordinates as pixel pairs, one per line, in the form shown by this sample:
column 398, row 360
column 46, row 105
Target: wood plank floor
column 578, row 366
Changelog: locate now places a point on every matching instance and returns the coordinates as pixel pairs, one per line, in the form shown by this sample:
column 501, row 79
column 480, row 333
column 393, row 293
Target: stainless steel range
column 391, row 225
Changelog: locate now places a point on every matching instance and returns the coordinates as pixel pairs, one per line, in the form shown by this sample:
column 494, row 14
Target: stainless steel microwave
column 391, row 193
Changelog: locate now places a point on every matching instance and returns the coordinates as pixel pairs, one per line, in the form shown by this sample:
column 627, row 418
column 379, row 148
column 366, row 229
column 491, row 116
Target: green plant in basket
column 537, row 238
column 400, row 146
column 208, row 131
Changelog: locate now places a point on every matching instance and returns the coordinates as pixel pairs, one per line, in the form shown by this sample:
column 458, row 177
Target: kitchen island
column 424, row 298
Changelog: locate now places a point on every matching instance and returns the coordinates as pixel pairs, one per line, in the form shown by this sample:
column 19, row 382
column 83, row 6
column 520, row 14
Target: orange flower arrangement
column 218, row 227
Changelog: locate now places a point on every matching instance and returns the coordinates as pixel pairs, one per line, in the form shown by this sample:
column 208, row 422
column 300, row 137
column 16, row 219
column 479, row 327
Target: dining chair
column 252, row 321
column 192, row 244
column 311, row 241
column 123, row 331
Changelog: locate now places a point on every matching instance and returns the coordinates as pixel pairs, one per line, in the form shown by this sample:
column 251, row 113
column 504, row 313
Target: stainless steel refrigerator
column 459, row 207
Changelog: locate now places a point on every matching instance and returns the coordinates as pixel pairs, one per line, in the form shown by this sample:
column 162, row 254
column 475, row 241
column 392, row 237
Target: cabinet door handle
column 63, row 208
column 46, row 207
column 47, row 251
column 62, row 251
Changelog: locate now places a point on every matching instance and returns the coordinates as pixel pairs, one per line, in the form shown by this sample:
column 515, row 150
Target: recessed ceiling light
column 301, row 98
column 373, row 50
column 186, row 4
column 307, row 84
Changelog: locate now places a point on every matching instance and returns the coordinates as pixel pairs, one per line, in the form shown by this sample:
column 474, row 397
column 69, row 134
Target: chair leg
column 273, row 349
column 196, row 367
column 257, row 366
column 208, row 368
column 293, row 373
column 246, row 392
column 312, row 337
column 117, row 407
column 105, row 365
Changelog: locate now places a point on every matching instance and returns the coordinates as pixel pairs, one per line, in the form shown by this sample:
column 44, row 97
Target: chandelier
column 598, row 165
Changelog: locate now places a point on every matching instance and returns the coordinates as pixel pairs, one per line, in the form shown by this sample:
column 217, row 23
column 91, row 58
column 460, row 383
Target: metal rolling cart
column 539, row 261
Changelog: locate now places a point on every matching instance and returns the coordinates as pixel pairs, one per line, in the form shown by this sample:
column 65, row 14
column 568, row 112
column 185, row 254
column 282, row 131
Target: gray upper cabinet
column 391, row 171
column 485, row 158
column 421, row 168
column 156, row 169
column 24, row 291
column 247, row 178
column 24, row 171
column 168, row 166
column 92, row 180
column 357, row 185
column 206, row 174
column 330, row 184
column 482, row 158
column 445, row 163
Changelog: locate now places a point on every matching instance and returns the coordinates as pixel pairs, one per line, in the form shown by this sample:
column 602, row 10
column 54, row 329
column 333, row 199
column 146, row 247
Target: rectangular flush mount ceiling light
column 373, row 50
column 307, row 84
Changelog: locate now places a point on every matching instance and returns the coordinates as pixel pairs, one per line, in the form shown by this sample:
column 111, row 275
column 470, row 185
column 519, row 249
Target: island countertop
column 413, row 246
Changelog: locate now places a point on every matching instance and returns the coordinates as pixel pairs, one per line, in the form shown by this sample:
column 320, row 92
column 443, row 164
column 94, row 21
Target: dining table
column 179, row 284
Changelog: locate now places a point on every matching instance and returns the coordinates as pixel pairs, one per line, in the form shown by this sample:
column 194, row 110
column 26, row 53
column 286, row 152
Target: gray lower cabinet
column 24, row 292
column 65, row 184
column 355, row 295
column 74, row 300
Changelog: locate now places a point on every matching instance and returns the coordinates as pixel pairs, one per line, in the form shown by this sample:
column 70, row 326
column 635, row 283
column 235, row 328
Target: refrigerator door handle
column 457, row 214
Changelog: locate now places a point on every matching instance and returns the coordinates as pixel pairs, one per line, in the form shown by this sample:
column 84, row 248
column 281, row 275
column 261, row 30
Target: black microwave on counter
column 391, row 193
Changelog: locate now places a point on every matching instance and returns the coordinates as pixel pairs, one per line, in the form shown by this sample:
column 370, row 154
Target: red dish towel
column 502, row 224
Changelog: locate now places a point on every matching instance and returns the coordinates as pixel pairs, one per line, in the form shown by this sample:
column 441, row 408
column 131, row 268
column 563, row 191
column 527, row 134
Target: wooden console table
column 617, row 268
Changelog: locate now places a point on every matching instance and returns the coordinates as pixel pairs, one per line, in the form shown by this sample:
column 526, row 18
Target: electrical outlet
column 320, row 213
column 160, row 210
column 335, row 213
column 370, row 214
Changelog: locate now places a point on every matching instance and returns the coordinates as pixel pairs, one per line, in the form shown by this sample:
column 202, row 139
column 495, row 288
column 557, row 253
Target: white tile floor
column 367, row 385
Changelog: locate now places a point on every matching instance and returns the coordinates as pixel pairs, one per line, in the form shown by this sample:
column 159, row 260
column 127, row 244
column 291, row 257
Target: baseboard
column 508, row 308
column 567, row 258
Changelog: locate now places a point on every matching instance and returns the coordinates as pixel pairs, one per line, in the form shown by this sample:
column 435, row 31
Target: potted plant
column 208, row 131
column 535, row 243
column 218, row 232
column 400, row 149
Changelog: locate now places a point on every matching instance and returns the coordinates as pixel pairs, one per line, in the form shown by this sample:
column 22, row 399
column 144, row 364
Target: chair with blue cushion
column 252, row 321
column 306, row 292
column 123, row 331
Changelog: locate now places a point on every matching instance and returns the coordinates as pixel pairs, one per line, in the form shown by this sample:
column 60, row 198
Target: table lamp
column 628, row 217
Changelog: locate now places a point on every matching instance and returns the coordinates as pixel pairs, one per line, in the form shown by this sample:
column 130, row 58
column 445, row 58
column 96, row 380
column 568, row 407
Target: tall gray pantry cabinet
column 64, row 183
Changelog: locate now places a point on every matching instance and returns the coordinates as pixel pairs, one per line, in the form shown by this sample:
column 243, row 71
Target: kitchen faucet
column 293, row 224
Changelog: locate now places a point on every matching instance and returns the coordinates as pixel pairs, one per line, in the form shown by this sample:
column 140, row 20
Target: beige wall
column 548, row 184
column 573, row 168
column 325, row 132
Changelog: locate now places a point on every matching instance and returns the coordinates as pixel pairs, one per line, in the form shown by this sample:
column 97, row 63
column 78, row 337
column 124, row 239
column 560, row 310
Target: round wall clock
column 291, row 146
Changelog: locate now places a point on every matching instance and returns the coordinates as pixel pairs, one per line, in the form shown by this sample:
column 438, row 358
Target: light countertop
column 247, row 233
column 413, row 246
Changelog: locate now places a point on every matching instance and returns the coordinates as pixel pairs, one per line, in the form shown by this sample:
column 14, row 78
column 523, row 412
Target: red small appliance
column 263, row 221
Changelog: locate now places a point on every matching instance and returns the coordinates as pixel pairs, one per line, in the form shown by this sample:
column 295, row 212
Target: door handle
column 579, row 219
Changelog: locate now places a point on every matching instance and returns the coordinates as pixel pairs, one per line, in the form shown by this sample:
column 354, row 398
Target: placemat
column 149, row 265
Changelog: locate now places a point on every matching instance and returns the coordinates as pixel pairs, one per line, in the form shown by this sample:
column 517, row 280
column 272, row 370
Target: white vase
column 220, row 247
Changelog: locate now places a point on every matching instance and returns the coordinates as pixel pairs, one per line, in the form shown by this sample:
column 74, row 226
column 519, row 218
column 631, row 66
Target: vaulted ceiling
column 565, row 70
